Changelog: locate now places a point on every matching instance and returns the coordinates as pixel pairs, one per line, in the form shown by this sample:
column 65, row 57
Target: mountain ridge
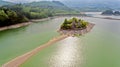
column 4, row 3
column 93, row 4
column 81, row 5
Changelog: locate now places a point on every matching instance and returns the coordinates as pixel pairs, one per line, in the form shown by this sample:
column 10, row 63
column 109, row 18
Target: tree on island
column 74, row 24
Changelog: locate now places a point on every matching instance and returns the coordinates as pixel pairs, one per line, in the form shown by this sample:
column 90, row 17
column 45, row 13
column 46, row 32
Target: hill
column 56, row 6
column 42, row 9
column 93, row 5
column 4, row 3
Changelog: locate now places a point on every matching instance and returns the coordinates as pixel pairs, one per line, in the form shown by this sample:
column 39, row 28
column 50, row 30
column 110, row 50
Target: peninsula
column 75, row 26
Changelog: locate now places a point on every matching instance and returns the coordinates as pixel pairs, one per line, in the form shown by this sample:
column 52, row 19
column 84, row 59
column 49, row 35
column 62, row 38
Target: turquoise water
column 18, row 41
column 99, row 48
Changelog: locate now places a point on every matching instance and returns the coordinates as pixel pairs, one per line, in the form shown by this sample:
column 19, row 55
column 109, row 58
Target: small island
column 75, row 26
column 111, row 12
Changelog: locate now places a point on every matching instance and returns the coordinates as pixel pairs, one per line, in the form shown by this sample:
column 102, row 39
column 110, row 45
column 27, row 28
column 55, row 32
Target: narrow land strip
column 21, row 59
column 24, row 23
column 15, row 26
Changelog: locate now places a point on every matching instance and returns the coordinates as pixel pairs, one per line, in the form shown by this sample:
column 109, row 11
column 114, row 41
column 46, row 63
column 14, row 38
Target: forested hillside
column 56, row 7
column 10, row 17
column 4, row 3
column 34, row 10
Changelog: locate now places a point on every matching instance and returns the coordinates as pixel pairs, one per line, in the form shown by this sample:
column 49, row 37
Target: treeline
column 9, row 17
column 18, row 13
column 31, row 12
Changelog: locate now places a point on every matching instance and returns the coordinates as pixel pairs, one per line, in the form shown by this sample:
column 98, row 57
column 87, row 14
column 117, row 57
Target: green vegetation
column 74, row 24
column 31, row 12
column 9, row 17
column 13, row 14
column 56, row 7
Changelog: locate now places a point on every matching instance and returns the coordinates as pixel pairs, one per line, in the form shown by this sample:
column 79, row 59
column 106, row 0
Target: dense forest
column 9, row 17
column 17, row 13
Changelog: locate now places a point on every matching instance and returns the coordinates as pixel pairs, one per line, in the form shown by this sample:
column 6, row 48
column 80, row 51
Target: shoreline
column 40, row 20
column 45, row 19
column 15, row 26
column 80, row 32
column 21, row 59
column 109, row 18
column 24, row 24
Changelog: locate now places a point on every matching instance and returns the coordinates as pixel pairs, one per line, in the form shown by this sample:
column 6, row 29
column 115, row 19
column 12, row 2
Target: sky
column 21, row 1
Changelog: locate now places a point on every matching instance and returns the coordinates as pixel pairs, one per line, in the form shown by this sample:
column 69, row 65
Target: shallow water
column 18, row 41
column 99, row 48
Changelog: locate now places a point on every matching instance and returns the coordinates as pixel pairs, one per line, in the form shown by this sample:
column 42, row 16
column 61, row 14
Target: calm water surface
column 99, row 48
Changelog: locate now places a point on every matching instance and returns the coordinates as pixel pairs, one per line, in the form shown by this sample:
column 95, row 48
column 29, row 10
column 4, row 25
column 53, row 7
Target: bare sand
column 24, row 23
column 15, row 26
column 21, row 59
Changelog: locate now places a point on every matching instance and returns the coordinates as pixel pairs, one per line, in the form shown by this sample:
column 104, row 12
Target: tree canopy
column 74, row 24
column 9, row 17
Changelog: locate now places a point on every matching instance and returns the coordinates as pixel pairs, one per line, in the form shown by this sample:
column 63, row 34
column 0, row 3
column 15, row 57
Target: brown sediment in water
column 21, row 59
column 80, row 32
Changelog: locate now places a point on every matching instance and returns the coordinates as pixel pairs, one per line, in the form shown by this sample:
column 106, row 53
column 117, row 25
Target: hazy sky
column 56, row 0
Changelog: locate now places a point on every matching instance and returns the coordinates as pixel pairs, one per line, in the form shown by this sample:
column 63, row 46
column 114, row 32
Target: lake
column 98, row 14
column 98, row 48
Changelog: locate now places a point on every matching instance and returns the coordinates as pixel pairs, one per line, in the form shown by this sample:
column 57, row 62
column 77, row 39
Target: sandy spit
column 21, row 59
column 15, row 26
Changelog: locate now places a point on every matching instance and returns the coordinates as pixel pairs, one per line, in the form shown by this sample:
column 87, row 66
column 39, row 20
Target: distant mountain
column 46, row 4
column 56, row 6
column 87, row 5
column 4, row 3
column 81, row 5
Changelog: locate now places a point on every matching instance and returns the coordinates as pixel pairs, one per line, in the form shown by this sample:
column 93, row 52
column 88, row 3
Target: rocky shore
column 78, row 32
